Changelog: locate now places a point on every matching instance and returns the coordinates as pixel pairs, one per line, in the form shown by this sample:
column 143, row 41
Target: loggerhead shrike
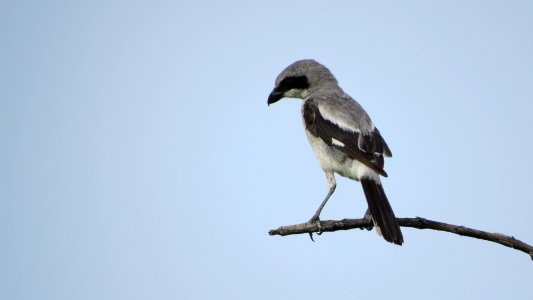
column 343, row 137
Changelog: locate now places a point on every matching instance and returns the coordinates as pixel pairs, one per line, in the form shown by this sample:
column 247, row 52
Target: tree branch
column 419, row 223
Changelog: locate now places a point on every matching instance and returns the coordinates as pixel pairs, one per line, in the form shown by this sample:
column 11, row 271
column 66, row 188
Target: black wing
column 369, row 149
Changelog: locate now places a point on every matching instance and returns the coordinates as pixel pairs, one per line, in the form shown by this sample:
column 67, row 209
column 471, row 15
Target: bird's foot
column 315, row 219
column 368, row 218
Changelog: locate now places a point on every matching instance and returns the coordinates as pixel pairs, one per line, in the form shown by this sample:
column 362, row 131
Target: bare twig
column 420, row 223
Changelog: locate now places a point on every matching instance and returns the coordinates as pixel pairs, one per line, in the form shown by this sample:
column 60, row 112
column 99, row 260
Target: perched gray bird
column 343, row 137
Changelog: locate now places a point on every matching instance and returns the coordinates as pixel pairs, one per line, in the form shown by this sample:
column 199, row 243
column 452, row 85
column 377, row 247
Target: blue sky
column 139, row 159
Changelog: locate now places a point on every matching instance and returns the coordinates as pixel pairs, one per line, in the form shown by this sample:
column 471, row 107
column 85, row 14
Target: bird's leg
column 332, row 184
column 368, row 217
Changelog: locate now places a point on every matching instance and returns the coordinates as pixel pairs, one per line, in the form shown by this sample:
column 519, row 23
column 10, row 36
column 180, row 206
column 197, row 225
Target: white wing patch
column 337, row 142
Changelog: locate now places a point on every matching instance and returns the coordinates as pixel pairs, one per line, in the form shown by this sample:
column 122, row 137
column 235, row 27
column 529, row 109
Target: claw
column 368, row 217
column 315, row 220
column 319, row 227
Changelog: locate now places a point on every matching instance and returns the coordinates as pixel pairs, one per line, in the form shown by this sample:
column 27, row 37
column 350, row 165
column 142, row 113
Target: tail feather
column 381, row 211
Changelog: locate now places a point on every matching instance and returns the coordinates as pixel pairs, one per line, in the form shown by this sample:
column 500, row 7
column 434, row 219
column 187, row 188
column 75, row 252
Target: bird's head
column 298, row 79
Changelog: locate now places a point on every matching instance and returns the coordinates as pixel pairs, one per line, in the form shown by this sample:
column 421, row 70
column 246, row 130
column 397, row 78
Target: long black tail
column 381, row 211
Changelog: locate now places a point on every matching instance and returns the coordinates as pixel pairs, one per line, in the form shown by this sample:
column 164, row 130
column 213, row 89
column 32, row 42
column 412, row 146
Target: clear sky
column 139, row 159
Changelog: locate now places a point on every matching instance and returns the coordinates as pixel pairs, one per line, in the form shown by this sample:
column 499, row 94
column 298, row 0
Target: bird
column 344, row 139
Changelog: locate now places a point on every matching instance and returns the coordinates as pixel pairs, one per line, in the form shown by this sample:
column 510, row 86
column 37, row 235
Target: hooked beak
column 274, row 96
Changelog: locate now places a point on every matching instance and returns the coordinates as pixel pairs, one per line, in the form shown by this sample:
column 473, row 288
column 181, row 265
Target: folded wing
column 368, row 148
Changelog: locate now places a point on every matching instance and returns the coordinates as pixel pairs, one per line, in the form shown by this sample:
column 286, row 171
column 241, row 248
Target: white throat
column 296, row 93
